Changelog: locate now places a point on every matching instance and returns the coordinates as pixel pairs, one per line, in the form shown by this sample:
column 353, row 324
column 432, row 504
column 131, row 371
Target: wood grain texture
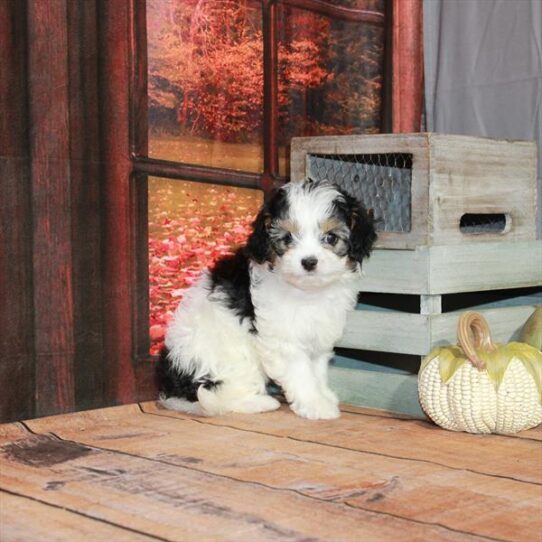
column 407, row 65
column 166, row 475
column 482, row 175
column 404, row 333
column 51, row 202
column 85, row 168
column 47, row 519
column 117, row 199
column 484, row 266
column 408, row 439
column 16, row 320
column 12, row 431
column 175, row 502
column 436, row 270
column 66, row 220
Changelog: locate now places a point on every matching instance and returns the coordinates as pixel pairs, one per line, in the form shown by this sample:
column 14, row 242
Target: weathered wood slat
column 388, row 331
column 407, row 65
column 460, row 500
column 388, row 391
column 26, row 519
column 531, row 434
column 16, row 316
column 86, row 172
column 482, row 175
column 12, row 431
column 175, row 502
column 406, row 333
column 118, row 209
column 407, row 439
column 485, row 266
column 51, row 204
column 356, row 409
column 451, row 269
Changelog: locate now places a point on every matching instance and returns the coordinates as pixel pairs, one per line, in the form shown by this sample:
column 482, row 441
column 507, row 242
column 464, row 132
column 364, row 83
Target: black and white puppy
column 273, row 310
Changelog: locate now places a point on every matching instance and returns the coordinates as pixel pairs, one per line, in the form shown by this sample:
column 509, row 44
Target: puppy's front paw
column 320, row 408
column 328, row 394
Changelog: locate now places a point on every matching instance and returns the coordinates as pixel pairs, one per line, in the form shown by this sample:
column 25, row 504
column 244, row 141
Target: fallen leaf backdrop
column 205, row 88
column 190, row 226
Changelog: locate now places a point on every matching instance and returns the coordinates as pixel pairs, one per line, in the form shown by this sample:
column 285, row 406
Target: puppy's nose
column 309, row 263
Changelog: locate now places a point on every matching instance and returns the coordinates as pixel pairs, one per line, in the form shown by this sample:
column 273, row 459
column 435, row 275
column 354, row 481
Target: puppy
column 273, row 310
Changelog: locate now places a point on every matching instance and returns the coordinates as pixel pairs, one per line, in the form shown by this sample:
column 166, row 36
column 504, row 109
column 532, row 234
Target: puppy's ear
column 362, row 231
column 258, row 246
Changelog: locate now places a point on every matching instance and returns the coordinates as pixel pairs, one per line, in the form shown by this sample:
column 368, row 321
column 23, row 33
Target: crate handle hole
column 480, row 223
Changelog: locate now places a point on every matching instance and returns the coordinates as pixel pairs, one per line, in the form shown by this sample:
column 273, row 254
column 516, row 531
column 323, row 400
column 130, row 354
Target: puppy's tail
column 220, row 400
column 209, row 403
column 182, row 405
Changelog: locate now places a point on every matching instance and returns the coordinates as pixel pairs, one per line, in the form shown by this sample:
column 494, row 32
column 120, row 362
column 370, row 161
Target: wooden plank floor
column 139, row 472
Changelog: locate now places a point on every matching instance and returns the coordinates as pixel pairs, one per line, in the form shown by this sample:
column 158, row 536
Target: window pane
column 205, row 62
column 190, row 226
column 331, row 74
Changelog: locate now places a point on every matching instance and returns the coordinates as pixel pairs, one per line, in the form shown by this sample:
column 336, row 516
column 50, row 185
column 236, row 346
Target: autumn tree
column 206, row 63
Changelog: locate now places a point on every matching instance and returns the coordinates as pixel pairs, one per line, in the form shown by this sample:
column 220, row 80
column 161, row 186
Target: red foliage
column 185, row 238
column 206, row 62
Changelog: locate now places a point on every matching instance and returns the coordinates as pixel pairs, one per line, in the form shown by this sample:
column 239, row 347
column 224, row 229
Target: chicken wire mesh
column 382, row 182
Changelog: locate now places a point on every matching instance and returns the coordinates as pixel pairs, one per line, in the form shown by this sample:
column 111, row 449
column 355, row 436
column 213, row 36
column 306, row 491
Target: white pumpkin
column 482, row 387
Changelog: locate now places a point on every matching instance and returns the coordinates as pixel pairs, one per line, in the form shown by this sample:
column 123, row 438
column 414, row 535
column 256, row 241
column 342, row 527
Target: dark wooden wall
column 66, row 261
column 71, row 213
column 17, row 372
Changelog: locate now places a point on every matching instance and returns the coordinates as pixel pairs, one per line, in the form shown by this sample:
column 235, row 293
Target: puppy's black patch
column 231, row 276
column 259, row 246
column 362, row 229
column 171, row 383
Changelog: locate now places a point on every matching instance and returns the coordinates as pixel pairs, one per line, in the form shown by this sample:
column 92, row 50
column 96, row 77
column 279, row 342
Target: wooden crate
column 431, row 189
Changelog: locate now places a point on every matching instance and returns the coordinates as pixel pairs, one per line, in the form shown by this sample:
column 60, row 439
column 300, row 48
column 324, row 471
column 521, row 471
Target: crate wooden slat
column 452, row 269
column 369, row 328
column 372, row 386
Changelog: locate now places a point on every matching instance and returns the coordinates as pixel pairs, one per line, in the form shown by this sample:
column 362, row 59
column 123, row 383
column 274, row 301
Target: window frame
column 270, row 178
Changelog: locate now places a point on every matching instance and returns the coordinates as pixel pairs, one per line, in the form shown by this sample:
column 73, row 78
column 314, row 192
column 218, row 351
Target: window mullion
column 270, row 95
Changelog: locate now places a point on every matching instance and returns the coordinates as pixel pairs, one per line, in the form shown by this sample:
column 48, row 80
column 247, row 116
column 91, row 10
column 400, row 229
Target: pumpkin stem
column 474, row 335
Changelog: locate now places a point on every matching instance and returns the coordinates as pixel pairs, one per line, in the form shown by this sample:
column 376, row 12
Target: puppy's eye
column 287, row 238
column 330, row 239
